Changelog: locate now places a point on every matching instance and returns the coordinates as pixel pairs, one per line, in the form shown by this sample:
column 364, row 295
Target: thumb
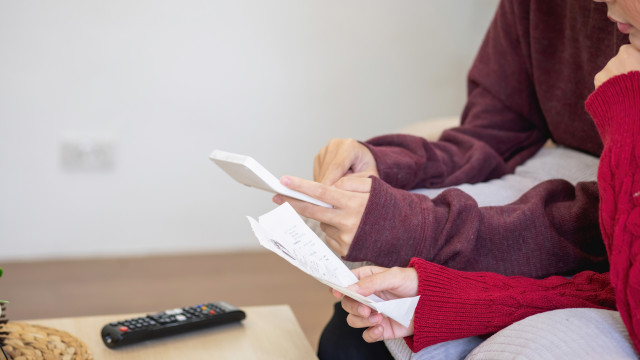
column 378, row 282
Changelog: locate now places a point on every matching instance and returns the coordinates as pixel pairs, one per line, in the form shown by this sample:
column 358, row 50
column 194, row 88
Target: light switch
column 87, row 153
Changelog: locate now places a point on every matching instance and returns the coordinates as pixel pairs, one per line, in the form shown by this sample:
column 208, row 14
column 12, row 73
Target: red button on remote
column 123, row 328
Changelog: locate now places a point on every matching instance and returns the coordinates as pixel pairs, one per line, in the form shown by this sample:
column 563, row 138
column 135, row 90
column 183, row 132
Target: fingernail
column 285, row 180
column 277, row 199
column 373, row 318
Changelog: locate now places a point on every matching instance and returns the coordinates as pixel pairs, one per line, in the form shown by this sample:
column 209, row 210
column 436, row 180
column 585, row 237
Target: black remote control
column 170, row 322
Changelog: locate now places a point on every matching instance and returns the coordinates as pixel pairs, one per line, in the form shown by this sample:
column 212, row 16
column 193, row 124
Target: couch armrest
column 433, row 128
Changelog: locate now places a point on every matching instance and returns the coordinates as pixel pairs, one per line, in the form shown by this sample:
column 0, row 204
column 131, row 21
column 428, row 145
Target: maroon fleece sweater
column 455, row 304
column 528, row 83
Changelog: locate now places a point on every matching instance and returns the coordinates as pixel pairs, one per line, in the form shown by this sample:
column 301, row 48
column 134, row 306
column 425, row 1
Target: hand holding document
column 285, row 233
column 249, row 172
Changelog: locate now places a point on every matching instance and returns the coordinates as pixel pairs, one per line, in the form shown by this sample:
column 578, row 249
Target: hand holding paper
column 283, row 232
column 387, row 283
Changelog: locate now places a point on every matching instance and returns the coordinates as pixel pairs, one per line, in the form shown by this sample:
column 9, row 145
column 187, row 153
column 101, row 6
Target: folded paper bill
column 285, row 233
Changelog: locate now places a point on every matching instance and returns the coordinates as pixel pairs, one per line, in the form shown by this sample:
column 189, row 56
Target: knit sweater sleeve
column 455, row 304
column 615, row 108
column 502, row 123
column 551, row 229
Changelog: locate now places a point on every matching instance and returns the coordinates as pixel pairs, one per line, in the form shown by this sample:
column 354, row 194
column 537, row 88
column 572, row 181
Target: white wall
column 165, row 82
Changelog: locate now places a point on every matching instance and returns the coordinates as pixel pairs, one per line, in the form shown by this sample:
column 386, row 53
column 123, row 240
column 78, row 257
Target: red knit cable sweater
column 456, row 304
column 615, row 108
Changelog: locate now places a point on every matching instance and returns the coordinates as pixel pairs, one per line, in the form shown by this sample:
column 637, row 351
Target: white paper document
column 285, row 233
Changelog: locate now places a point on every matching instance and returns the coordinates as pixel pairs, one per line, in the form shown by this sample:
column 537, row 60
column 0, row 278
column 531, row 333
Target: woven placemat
column 36, row 342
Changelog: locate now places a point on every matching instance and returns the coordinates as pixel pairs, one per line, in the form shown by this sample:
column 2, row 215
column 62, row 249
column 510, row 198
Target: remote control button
column 123, row 328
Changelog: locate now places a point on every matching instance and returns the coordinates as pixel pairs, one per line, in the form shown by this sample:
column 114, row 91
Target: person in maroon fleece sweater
column 528, row 84
column 456, row 304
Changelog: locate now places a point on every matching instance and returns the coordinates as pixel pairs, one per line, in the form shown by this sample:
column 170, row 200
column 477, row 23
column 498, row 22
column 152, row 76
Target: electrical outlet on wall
column 87, row 152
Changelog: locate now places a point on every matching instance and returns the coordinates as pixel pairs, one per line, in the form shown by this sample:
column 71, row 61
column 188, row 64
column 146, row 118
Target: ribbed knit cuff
column 448, row 309
column 615, row 107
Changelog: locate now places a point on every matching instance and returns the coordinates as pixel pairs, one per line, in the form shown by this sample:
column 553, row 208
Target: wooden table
column 268, row 332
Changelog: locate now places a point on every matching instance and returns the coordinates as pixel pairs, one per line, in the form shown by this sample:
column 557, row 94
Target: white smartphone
column 248, row 171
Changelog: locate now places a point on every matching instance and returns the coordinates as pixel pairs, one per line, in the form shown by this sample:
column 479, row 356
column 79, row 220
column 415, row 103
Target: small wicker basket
column 35, row 342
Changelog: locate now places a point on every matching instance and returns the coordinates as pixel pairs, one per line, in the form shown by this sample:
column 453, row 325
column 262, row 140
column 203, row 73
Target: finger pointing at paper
column 349, row 197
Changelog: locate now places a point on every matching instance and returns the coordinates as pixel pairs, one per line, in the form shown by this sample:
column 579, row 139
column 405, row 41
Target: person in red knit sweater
column 527, row 85
column 455, row 304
